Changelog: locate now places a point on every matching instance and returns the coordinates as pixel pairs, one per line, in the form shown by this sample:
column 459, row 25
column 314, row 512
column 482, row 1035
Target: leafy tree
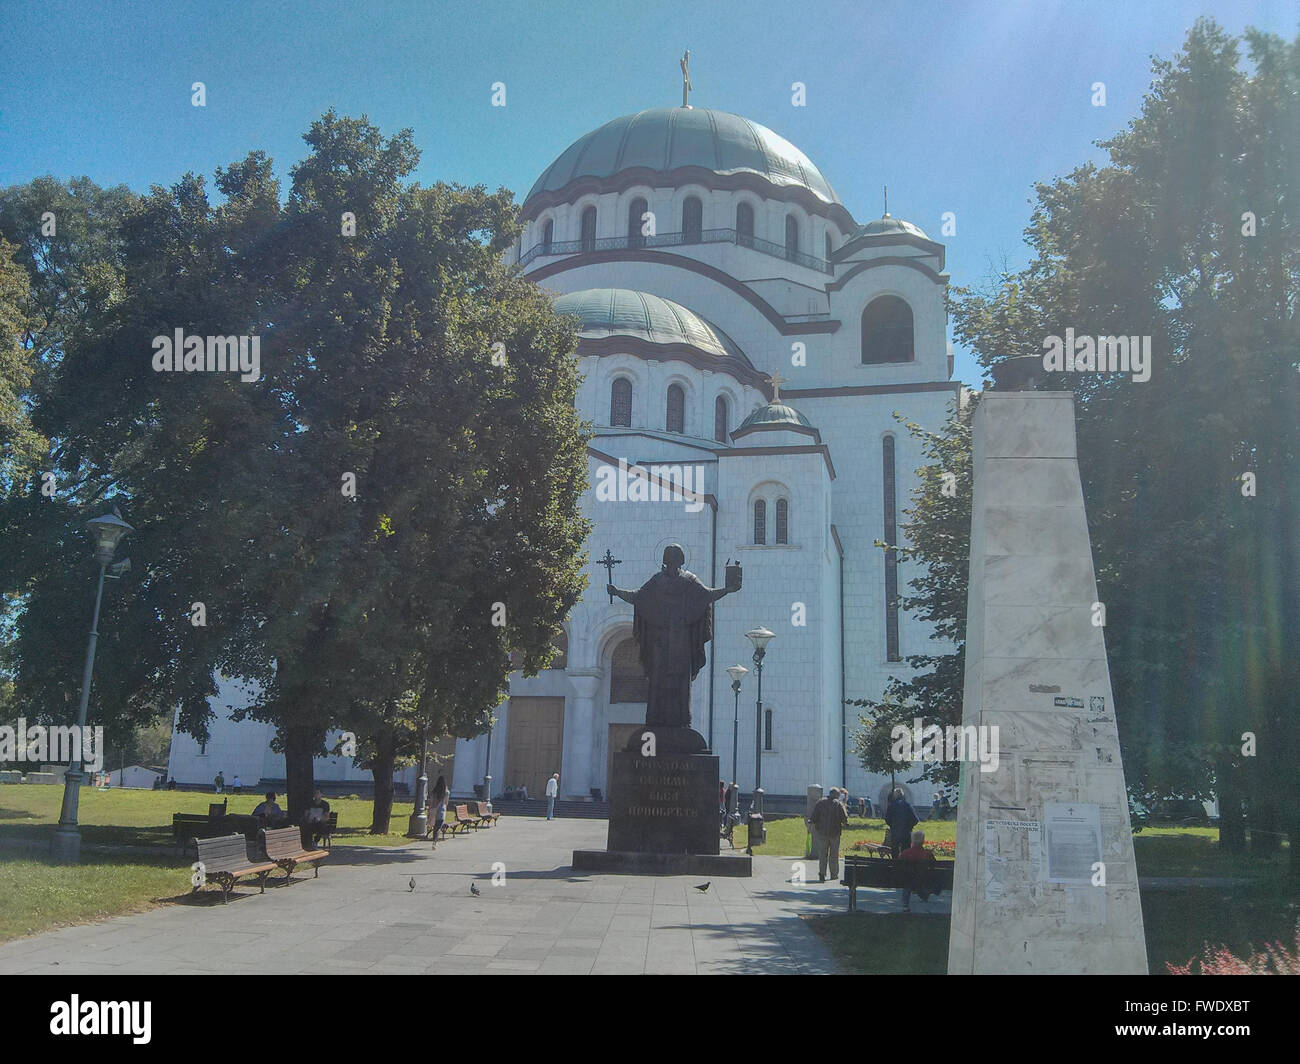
column 21, row 446
column 1188, row 237
column 376, row 363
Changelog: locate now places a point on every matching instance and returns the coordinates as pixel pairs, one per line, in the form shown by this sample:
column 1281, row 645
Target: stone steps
column 570, row 810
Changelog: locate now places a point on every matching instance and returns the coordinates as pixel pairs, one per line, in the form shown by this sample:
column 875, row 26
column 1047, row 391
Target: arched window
column 886, row 331
column 767, row 728
column 627, row 680
column 692, row 220
column 891, row 555
column 620, row 402
column 720, row 419
column 676, row 408
column 791, row 236
column 548, row 236
column 760, row 522
column 635, row 212
column 745, row 225
column 589, row 229
column 782, row 521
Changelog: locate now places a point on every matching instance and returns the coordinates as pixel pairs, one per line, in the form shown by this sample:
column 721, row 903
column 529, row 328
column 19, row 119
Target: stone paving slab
column 361, row 916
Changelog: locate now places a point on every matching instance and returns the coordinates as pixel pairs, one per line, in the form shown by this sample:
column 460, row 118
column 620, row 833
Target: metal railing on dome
column 668, row 240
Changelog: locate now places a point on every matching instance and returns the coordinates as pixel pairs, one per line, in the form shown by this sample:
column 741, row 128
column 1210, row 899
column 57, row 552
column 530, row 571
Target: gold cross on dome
column 686, row 77
column 776, row 380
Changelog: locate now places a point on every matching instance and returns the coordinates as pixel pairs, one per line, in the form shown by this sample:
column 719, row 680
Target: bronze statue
column 671, row 622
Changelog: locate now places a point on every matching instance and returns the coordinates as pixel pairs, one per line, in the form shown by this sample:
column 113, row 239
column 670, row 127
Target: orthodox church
column 744, row 343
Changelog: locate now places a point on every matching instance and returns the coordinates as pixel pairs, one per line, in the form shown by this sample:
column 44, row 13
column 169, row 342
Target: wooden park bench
column 464, row 816
column 889, row 872
column 285, row 850
column 488, row 819
column 186, row 827
column 225, row 861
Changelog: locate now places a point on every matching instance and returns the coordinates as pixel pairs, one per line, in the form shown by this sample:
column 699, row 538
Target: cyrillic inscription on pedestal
column 666, row 804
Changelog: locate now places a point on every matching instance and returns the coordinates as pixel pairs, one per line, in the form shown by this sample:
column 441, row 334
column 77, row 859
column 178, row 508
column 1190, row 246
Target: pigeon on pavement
column 474, row 890
column 412, row 884
column 705, row 886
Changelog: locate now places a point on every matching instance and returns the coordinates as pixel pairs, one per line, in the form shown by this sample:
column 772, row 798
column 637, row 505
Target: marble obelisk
column 1045, row 880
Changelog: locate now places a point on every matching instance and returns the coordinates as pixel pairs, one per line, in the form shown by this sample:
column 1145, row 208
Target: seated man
column 920, row 858
column 318, row 816
column 271, row 814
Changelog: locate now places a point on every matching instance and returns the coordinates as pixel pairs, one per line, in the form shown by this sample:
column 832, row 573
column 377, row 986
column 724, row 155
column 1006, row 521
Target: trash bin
column 757, row 833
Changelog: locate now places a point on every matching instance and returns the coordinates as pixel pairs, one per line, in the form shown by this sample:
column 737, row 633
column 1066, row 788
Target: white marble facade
column 766, row 272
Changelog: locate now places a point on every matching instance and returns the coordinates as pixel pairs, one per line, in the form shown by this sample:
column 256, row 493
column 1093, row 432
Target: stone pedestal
column 663, row 812
column 664, row 804
column 1036, row 836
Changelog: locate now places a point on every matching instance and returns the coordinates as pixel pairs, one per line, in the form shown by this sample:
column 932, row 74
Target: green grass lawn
column 37, row 895
column 144, row 818
column 786, row 838
column 1178, row 923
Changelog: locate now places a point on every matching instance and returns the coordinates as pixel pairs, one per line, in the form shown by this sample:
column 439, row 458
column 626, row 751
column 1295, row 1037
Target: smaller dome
column 886, row 224
column 772, row 414
column 605, row 312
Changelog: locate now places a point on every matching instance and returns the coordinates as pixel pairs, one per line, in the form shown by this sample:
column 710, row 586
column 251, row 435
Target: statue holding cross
column 672, row 620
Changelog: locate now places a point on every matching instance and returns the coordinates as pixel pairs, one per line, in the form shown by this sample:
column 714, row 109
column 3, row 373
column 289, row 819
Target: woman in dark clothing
column 901, row 818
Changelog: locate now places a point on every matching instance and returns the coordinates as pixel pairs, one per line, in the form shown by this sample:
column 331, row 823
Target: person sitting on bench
column 270, row 813
column 919, row 857
column 318, row 816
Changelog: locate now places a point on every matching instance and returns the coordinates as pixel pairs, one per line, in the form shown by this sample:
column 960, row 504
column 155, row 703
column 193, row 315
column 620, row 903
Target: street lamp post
column 760, row 637
column 419, row 823
column 735, row 672
column 108, row 531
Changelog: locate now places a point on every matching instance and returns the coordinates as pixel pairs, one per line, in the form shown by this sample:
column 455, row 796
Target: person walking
column 219, row 782
column 828, row 821
column 552, row 792
column 438, row 803
column 901, row 818
column 235, row 783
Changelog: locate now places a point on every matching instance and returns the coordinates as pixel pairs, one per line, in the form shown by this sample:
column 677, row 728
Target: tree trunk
column 381, row 765
column 1232, row 825
column 1265, row 826
column 301, row 745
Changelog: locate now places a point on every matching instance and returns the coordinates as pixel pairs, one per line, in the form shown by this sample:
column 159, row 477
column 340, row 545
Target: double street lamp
column 760, row 637
column 107, row 531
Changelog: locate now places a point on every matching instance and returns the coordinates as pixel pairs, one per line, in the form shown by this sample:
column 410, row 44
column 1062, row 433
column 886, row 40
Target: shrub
column 1276, row 959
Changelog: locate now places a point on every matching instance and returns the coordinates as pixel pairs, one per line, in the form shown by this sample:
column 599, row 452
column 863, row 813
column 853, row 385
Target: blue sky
column 956, row 106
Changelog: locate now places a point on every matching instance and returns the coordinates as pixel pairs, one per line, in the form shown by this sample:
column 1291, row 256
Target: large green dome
column 623, row 312
column 670, row 138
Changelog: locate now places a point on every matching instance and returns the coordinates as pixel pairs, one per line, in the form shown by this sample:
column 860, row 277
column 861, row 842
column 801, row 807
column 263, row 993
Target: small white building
column 134, row 776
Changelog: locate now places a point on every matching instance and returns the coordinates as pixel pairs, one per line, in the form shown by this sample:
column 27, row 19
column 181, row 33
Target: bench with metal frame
column 224, row 861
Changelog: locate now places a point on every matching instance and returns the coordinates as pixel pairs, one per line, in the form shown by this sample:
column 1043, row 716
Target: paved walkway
column 361, row 916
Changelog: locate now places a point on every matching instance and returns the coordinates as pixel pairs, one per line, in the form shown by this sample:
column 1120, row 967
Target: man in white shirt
column 552, row 789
